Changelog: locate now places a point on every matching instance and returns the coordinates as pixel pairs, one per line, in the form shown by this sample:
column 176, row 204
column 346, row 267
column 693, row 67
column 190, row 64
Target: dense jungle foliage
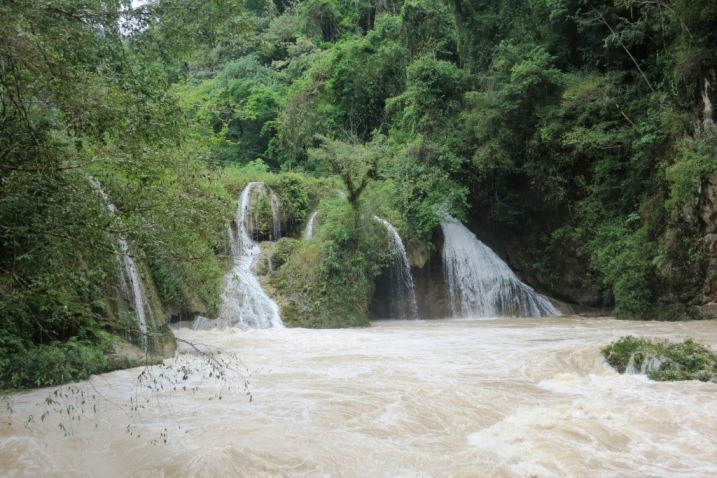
column 579, row 131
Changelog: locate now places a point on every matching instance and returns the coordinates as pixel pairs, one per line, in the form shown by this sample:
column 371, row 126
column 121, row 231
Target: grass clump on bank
column 661, row 360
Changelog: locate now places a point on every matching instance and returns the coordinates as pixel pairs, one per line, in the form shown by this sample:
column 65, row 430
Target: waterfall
column 707, row 110
column 276, row 214
column 130, row 274
column 480, row 283
column 244, row 300
column 251, row 222
column 403, row 295
column 231, row 239
column 649, row 364
column 310, row 226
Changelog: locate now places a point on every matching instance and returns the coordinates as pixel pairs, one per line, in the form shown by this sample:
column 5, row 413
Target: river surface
column 488, row 398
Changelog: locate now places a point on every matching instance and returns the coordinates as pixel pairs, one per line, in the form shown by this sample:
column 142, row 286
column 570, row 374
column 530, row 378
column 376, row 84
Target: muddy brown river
column 443, row 398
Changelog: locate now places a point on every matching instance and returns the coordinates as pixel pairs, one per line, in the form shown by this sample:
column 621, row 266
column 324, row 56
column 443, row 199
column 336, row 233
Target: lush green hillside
column 80, row 100
column 580, row 133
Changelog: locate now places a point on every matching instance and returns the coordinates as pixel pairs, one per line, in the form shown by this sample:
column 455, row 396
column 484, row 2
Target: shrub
column 328, row 282
column 625, row 257
column 662, row 360
column 282, row 251
column 54, row 364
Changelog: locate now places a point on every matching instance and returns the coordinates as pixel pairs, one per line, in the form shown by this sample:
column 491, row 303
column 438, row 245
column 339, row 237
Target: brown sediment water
column 456, row 398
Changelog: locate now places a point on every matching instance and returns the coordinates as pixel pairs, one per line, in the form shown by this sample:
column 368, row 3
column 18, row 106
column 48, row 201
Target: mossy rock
column 122, row 354
column 662, row 360
column 306, row 299
column 282, row 251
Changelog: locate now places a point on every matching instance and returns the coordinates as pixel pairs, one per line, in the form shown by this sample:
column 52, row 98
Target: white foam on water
column 509, row 397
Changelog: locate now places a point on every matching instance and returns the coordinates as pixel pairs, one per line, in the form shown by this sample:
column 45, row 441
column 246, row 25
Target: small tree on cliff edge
column 354, row 162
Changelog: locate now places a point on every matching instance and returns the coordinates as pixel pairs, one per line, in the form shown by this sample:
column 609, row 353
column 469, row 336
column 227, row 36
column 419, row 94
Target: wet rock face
column 432, row 296
column 571, row 284
column 122, row 354
column 708, row 207
column 431, row 288
column 707, row 213
column 569, row 281
column 707, row 300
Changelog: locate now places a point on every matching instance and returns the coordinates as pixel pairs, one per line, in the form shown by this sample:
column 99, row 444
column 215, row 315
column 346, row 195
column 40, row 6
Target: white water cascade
column 707, row 111
column 131, row 279
column 403, row 294
column 275, row 213
column 244, row 300
column 310, row 226
column 480, row 283
column 649, row 364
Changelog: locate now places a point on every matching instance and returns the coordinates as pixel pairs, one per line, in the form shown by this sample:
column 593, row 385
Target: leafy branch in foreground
column 154, row 390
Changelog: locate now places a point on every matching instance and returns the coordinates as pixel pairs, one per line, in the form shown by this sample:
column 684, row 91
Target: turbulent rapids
column 502, row 398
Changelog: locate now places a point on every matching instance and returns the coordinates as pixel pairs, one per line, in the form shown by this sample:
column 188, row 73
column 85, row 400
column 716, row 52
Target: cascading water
column 276, row 214
column 244, row 300
column 310, row 226
column 480, row 283
column 649, row 364
column 708, row 121
column 130, row 274
column 403, row 295
column 231, row 239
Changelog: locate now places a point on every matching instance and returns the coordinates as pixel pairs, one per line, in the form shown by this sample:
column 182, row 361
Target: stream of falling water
column 309, row 233
column 403, row 294
column 131, row 279
column 244, row 301
column 480, row 284
column 509, row 397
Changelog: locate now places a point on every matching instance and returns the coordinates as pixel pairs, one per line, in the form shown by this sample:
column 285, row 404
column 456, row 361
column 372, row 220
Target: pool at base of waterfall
column 505, row 397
